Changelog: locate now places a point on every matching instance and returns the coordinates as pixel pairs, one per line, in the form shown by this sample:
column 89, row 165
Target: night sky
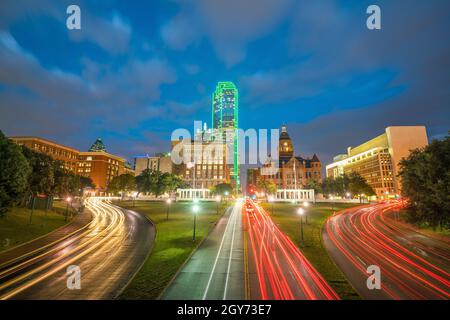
column 135, row 71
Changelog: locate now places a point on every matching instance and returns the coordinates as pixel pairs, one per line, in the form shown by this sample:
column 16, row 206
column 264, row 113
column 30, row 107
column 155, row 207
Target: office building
column 377, row 160
column 68, row 156
column 225, row 114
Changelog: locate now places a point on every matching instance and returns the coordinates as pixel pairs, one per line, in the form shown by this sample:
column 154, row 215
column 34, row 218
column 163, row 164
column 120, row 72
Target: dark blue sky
column 137, row 70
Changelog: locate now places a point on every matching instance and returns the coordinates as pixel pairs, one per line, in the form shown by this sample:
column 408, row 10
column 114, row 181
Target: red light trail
column 412, row 265
column 282, row 271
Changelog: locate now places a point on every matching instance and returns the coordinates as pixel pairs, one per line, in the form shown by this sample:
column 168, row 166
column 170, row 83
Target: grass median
column 173, row 243
column 15, row 227
column 285, row 216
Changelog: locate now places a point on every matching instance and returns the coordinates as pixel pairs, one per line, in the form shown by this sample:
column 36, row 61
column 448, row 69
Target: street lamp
column 168, row 201
column 306, row 205
column 217, row 204
column 195, row 209
column 301, row 212
column 68, row 200
column 348, row 195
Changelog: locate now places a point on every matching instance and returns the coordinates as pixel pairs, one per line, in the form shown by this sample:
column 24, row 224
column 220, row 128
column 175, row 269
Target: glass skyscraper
column 225, row 109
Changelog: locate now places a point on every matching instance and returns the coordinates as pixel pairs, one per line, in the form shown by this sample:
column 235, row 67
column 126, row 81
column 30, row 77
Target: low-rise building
column 377, row 160
column 97, row 164
column 68, row 156
column 159, row 162
column 289, row 171
column 101, row 167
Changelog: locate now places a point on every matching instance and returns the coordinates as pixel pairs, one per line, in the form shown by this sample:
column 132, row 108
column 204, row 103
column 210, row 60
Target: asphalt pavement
column 108, row 252
column 412, row 265
column 216, row 269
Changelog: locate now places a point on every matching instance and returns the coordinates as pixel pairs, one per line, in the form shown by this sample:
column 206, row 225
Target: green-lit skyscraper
column 225, row 110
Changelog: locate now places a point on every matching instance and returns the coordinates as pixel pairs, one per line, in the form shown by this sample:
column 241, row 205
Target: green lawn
column 289, row 222
column 173, row 243
column 16, row 229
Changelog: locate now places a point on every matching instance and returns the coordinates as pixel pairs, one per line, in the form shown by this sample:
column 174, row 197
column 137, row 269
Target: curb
column 189, row 257
column 117, row 296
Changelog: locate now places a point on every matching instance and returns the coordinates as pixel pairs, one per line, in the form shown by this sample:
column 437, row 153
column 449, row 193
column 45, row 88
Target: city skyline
column 284, row 75
column 223, row 155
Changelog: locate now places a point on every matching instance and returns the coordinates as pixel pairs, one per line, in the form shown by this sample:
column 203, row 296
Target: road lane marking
column 246, row 275
column 217, row 256
column 230, row 257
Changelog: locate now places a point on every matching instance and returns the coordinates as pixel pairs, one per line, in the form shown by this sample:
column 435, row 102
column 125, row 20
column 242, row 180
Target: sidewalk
column 22, row 250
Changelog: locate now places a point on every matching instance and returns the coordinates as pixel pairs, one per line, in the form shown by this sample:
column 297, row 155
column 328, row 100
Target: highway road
column 108, row 252
column 412, row 265
column 246, row 256
column 277, row 269
column 216, row 269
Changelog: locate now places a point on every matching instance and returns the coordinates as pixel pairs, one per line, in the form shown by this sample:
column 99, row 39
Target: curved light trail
column 412, row 265
column 279, row 268
column 109, row 250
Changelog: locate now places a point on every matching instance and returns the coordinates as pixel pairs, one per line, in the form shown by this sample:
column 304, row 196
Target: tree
column 221, row 189
column 86, row 182
column 144, row 181
column 315, row 185
column 172, row 182
column 268, row 186
column 122, row 184
column 425, row 178
column 14, row 173
column 158, row 183
column 334, row 186
column 358, row 185
column 42, row 177
column 353, row 183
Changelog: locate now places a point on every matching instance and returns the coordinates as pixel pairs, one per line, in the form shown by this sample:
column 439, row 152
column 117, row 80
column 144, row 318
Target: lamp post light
column 301, row 212
column 348, row 194
column 306, row 205
column 168, row 202
column 217, row 204
column 195, row 210
column 68, row 200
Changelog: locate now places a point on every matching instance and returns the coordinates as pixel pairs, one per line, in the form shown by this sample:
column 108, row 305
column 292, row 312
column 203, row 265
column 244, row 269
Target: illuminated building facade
column 99, row 165
column 291, row 172
column 377, row 160
column 67, row 155
column 160, row 162
column 205, row 163
column 225, row 111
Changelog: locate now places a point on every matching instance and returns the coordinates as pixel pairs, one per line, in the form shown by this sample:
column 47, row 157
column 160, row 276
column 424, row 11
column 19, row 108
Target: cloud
column 112, row 33
column 59, row 103
column 362, row 81
column 192, row 69
column 228, row 25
